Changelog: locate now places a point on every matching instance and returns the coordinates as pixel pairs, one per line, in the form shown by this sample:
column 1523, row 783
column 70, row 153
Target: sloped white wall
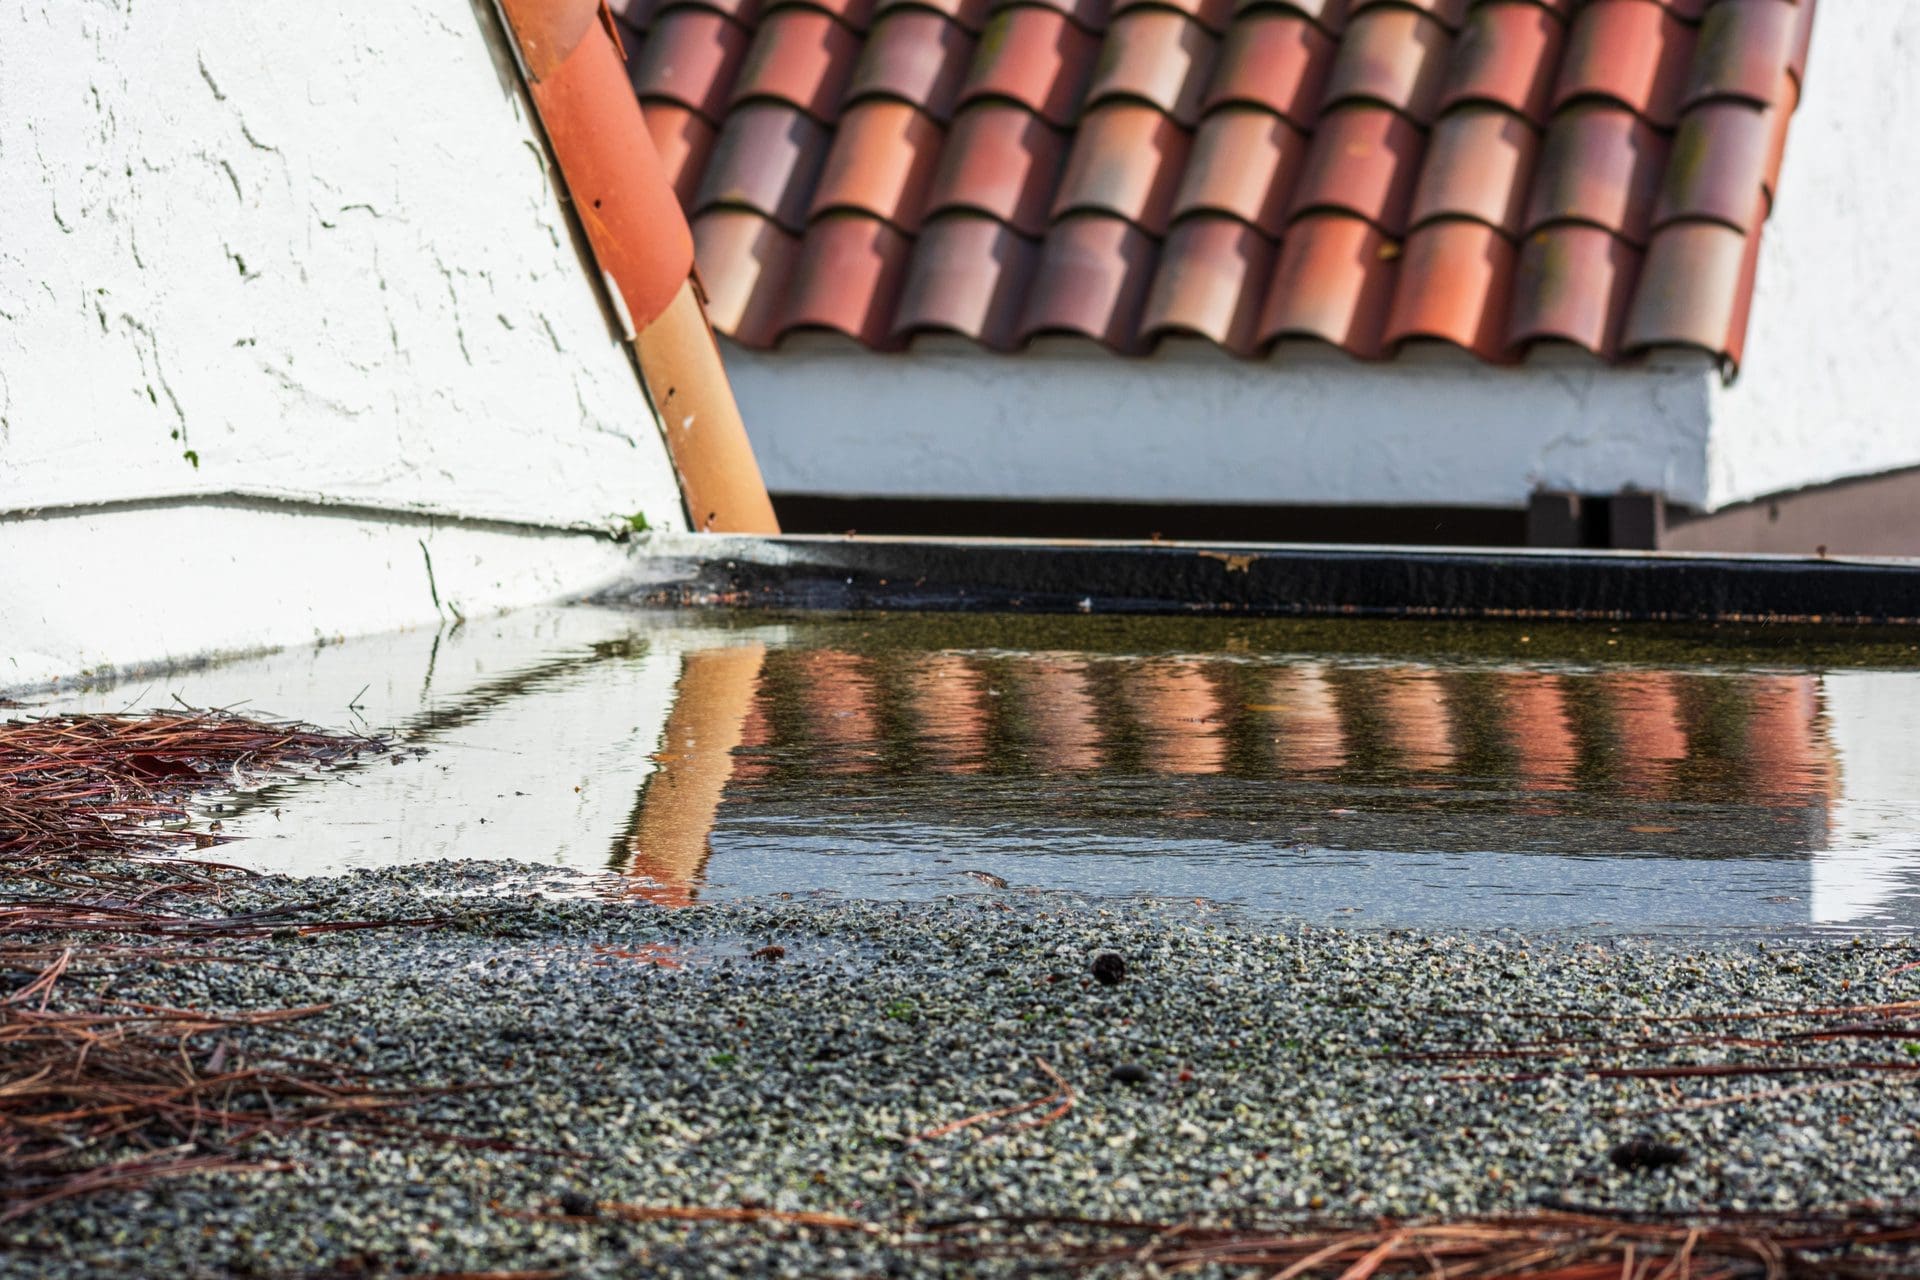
column 299, row 250
column 1830, row 387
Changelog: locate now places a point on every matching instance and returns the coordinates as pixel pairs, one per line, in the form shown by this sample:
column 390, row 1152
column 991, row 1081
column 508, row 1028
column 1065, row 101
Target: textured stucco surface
column 1831, row 383
column 313, row 247
column 1069, row 421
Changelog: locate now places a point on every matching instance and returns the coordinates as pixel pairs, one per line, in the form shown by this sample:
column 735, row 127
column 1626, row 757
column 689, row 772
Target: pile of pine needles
column 1542, row 1246
column 99, row 1092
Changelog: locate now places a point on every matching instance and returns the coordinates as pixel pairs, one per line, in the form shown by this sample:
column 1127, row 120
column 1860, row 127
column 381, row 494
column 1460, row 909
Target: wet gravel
column 1229, row 1067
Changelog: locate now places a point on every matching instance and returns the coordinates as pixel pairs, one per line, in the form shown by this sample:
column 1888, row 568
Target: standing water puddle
column 1350, row 773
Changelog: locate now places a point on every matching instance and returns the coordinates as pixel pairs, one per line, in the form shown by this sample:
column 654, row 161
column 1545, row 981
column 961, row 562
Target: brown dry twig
column 1061, row 1099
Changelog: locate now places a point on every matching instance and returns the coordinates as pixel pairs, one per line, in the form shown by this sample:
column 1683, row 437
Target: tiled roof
column 1490, row 173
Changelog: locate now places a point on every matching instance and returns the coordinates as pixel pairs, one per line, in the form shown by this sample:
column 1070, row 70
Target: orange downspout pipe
column 576, row 72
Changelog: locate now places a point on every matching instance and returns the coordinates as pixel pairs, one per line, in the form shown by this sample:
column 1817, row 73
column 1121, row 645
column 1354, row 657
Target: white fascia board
column 1066, row 420
column 1830, row 384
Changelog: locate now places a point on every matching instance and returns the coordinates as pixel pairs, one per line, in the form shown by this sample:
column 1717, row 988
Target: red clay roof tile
column 1695, row 288
column 690, row 57
column 1595, row 172
column 767, row 159
column 1211, row 276
column 1089, row 14
column 1125, row 160
column 1479, row 163
column 1393, row 55
column 1571, row 285
column 1632, row 51
column 1455, row 278
column 1276, row 59
column 881, row 162
column 968, row 275
column 917, row 56
column 1002, row 160
column 1364, row 159
column 1244, row 162
column 1093, row 276
column 1506, row 54
column 1334, row 282
column 745, row 260
column 1157, row 56
column 1743, row 45
column 1034, row 56
column 1722, row 154
column 970, row 14
column 1214, row 15
column 800, row 56
column 1600, row 163
column 684, row 140
column 847, row 276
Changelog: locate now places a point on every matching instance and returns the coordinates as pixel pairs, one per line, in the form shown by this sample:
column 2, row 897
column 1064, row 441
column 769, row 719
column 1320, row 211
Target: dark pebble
column 1129, row 1073
column 1109, row 968
column 1645, row 1153
column 576, row 1205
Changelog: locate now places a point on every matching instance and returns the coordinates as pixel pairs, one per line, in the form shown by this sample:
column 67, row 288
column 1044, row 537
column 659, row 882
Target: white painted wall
column 286, row 295
column 1831, row 383
column 1190, row 424
column 314, row 246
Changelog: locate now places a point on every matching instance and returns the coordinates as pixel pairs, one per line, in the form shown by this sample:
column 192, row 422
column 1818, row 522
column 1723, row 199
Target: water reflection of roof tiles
column 1489, row 174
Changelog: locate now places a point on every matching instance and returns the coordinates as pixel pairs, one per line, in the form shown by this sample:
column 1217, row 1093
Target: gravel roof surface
column 1236, row 1066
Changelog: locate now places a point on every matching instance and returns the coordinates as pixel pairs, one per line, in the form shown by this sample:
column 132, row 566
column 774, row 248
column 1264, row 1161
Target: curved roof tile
column 1608, row 157
column 968, row 275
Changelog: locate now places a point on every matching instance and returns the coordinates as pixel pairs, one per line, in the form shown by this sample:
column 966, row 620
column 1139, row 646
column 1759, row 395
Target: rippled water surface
column 1345, row 772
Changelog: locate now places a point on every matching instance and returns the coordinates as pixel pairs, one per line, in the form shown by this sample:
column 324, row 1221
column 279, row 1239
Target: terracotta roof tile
column 1034, row 56
column 846, row 278
column 690, row 57
column 917, row 56
column 800, row 56
column 1455, row 278
column 767, row 158
column 1694, row 290
column 1743, row 45
column 1212, row 273
column 1214, row 15
column 1365, row 173
column 1157, row 56
column 1479, row 163
column 970, row 14
column 1571, row 285
column 1600, row 163
column 881, row 162
column 1364, row 159
column 1722, row 159
column 1091, row 15
column 1632, row 51
column 745, row 260
column 684, row 140
column 1277, row 59
column 968, row 275
column 1002, row 160
column 1334, row 282
column 1393, row 55
column 1506, row 54
column 1125, row 160
column 1093, row 276
column 1244, row 162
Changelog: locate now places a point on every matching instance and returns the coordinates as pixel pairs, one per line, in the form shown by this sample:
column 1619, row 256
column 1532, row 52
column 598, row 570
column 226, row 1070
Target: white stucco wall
column 1831, row 383
column 1190, row 424
column 314, row 247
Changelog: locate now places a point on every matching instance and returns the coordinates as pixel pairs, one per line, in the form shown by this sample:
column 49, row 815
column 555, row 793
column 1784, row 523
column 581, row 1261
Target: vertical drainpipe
column 576, row 72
